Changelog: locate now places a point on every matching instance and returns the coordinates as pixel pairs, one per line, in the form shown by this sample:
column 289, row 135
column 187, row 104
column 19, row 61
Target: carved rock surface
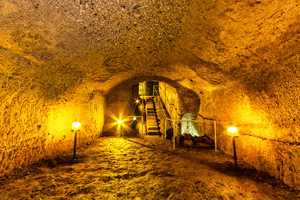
column 65, row 60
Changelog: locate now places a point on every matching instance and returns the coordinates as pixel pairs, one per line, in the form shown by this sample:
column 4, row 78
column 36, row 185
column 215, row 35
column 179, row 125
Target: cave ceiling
column 106, row 42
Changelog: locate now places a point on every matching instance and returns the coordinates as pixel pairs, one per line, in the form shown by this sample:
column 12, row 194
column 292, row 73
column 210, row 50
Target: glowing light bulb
column 134, row 118
column 137, row 101
column 76, row 126
column 119, row 121
column 232, row 131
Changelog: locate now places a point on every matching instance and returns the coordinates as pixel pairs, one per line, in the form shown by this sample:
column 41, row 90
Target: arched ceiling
column 102, row 43
column 59, row 59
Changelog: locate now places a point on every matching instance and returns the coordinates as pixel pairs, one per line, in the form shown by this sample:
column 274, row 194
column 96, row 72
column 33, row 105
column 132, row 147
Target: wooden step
column 153, row 133
column 151, row 117
column 152, row 123
column 151, row 111
column 151, row 120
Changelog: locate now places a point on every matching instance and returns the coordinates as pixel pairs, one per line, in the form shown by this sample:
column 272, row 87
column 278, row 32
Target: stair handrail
column 174, row 120
column 161, row 105
column 215, row 127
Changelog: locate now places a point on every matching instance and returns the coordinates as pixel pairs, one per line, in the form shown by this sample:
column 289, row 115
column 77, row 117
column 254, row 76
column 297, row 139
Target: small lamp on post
column 76, row 126
column 120, row 130
column 233, row 132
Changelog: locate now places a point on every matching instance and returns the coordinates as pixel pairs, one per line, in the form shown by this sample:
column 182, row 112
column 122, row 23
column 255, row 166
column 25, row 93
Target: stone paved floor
column 133, row 168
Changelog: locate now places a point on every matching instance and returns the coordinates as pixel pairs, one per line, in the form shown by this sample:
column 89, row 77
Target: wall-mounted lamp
column 233, row 131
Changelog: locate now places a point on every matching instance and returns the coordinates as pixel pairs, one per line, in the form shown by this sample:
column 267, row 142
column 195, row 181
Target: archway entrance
column 121, row 99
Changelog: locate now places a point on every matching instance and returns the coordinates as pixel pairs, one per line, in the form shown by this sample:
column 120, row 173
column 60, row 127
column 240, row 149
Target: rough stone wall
column 265, row 114
column 178, row 102
column 170, row 99
column 120, row 102
column 262, row 103
column 240, row 57
column 36, row 120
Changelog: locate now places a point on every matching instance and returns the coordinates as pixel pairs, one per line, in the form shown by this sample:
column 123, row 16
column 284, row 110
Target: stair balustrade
column 167, row 118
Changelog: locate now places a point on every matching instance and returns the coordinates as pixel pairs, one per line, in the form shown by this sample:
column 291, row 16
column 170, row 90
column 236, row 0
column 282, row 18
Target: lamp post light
column 76, row 126
column 233, row 132
column 134, row 118
column 120, row 129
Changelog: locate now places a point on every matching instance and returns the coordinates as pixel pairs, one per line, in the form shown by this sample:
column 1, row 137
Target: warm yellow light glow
column 137, row 101
column 120, row 121
column 76, row 126
column 232, row 131
column 134, row 118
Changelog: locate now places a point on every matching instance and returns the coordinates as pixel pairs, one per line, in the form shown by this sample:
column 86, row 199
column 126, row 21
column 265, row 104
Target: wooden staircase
column 151, row 117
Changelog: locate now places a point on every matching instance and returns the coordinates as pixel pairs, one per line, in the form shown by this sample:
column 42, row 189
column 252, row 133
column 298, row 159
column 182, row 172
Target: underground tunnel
column 215, row 64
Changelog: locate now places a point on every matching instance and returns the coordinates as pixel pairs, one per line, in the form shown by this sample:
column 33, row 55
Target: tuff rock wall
column 178, row 100
column 120, row 102
column 267, row 121
column 240, row 57
column 36, row 120
column 266, row 114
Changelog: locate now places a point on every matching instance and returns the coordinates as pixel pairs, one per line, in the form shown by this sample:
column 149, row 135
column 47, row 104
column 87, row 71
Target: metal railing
column 174, row 120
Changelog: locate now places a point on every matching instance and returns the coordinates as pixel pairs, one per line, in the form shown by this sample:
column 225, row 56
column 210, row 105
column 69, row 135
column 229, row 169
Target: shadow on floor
column 224, row 163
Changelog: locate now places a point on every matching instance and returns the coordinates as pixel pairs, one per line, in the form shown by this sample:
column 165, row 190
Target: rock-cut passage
column 117, row 168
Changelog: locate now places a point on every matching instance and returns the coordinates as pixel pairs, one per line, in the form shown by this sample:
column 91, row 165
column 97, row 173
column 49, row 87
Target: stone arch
column 120, row 98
